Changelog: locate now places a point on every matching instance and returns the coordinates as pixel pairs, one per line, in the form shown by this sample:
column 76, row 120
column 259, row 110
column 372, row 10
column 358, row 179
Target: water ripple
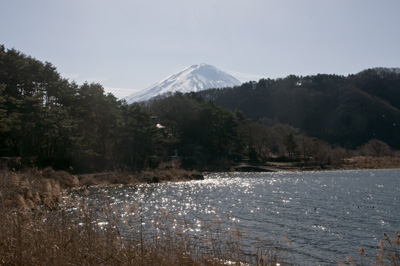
column 326, row 215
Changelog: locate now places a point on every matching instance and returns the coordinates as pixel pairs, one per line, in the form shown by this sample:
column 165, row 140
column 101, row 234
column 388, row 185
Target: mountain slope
column 192, row 79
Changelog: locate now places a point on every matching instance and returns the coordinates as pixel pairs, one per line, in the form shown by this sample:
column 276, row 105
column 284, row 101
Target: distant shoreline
column 352, row 163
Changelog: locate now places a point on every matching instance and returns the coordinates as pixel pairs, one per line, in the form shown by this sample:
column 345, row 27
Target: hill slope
column 349, row 110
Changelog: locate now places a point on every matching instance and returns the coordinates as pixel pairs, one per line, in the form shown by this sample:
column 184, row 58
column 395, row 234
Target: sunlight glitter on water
column 324, row 214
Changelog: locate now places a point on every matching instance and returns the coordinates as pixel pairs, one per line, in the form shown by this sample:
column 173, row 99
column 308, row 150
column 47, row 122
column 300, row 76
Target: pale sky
column 128, row 45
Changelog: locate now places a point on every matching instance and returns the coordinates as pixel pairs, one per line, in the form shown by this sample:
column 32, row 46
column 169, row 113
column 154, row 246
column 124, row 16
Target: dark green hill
column 348, row 111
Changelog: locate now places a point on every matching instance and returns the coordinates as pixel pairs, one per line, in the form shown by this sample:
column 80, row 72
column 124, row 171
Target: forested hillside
column 46, row 120
column 349, row 111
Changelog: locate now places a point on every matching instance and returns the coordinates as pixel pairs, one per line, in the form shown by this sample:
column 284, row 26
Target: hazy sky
column 127, row 45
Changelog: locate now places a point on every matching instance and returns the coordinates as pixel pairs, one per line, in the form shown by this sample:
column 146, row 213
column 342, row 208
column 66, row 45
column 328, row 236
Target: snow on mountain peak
column 191, row 79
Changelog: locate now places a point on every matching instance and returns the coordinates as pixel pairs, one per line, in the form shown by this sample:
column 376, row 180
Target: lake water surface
column 326, row 215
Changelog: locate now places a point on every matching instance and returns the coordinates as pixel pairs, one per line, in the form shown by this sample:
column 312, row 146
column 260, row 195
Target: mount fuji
column 191, row 79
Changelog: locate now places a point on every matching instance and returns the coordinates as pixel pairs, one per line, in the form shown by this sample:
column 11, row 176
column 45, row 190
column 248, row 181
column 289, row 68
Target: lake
column 326, row 215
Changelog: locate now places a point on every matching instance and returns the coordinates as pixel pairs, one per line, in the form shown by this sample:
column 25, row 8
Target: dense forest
column 46, row 120
column 346, row 111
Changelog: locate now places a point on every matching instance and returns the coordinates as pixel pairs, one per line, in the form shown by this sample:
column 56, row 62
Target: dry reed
column 388, row 253
column 35, row 231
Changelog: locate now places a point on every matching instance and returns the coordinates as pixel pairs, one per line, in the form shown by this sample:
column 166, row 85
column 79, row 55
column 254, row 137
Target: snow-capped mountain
column 191, row 79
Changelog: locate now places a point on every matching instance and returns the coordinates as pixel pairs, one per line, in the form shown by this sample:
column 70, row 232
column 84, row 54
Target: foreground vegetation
column 63, row 238
column 35, row 231
column 388, row 253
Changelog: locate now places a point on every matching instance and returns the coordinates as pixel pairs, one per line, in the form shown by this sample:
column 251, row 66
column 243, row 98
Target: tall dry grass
column 83, row 234
column 388, row 253
column 32, row 188
column 34, row 230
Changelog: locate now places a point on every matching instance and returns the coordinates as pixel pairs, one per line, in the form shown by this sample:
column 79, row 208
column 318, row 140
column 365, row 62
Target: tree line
column 46, row 120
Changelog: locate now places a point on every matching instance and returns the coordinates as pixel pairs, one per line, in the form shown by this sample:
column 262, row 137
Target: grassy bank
column 32, row 188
